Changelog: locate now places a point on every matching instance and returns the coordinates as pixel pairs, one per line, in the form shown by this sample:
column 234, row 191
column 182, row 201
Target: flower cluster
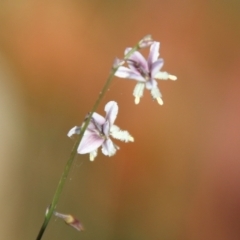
column 97, row 131
column 145, row 72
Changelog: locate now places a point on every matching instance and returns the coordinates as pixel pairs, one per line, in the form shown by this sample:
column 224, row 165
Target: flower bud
column 70, row 220
column 146, row 41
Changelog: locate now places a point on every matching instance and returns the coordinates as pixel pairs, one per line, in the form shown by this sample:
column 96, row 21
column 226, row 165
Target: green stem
column 73, row 154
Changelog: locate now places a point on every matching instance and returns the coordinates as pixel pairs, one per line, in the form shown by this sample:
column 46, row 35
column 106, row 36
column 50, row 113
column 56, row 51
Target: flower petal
column 98, row 118
column 90, row 142
column 154, row 54
column 119, row 134
column 152, row 83
column 124, row 72
column 109, row 148
column 137, row 59
column 106, row 128
column 73, row 131
column 156, row 66
column 111, row 110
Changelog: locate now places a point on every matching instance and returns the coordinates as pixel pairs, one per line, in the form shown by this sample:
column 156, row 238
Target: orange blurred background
column 180, row 179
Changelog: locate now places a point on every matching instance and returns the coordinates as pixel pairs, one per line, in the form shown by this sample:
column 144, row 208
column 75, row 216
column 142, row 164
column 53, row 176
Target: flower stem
column 73, row 153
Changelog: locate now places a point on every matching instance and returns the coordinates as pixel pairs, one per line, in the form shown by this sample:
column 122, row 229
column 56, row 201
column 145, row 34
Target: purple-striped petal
column 124, row 72
column 93, row 126
column 98, row 118
column 111, row 110
column 137, row 58
column 156, row 66
column 90, row 142
column 154, row 53
column 106, row 128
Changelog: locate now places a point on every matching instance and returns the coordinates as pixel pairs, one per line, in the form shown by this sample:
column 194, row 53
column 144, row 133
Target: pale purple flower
column 145, row 72
column 99, row 131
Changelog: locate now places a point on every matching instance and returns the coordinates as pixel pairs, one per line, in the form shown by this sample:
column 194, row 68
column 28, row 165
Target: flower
column 99, row 131
column 145, row 72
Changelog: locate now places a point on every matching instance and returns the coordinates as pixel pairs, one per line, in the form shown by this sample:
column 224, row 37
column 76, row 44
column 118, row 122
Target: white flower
column 99, row 131
column 145, row 72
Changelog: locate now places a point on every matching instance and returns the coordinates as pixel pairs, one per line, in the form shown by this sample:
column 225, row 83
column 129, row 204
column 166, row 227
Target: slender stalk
column 73, row 153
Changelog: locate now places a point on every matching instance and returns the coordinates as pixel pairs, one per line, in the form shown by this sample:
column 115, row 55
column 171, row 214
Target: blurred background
column 180, row 179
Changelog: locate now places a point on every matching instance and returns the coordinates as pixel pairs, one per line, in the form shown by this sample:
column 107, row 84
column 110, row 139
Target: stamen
column 157, row 95
column 159, row 100
column 165, row 76
column 138, row 92
column 131, row 139
column 92, row 155
column 137, row 100
column 172, row 77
